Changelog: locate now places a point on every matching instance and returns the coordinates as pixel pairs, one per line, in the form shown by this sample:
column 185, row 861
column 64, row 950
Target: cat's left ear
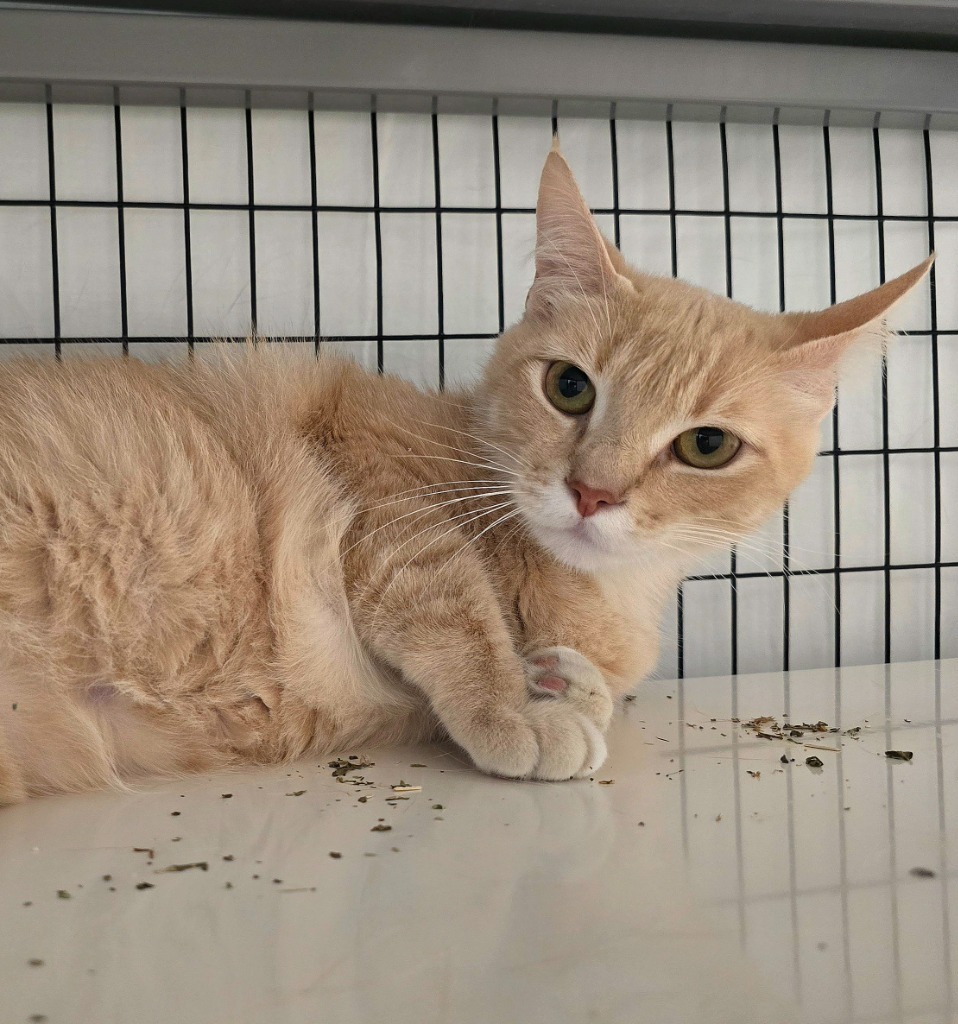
column 816, row 342
column 573, row 260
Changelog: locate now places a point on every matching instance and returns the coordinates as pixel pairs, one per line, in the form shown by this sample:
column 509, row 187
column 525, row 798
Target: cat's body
column 172, row 596
column 263, row 555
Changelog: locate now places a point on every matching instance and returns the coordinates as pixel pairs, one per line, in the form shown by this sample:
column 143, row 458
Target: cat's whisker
column 475, row 437
column 462, row 462
column 421, row 512
column 425, row 491
column 767, row 546
column 472, row 540
column 789, row 572
column 455, row 526
column 422, row 533
column 453, row 448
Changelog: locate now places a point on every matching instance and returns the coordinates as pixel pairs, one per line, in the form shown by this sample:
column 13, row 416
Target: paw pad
column 555, row 684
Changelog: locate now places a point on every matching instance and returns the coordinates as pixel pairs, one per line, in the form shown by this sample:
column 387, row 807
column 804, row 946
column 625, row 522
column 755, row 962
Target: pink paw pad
column 554, row 683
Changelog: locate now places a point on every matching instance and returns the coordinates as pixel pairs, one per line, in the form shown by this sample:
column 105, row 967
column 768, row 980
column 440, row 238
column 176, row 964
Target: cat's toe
column 503, row 743
column 565, row 673
column 570, row 745
column 563, row 747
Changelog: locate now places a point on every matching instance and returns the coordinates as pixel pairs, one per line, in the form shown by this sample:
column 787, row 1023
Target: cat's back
column 126, row 531
column 95, row 419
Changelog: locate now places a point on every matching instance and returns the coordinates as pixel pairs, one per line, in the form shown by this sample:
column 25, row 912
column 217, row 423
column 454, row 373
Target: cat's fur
column 263, row 556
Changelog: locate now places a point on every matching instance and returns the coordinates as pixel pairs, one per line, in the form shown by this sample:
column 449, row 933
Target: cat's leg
column 433, row 616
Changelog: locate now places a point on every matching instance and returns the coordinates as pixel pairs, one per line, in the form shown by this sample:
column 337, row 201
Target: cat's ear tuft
column 816, row 342
column 573, row 260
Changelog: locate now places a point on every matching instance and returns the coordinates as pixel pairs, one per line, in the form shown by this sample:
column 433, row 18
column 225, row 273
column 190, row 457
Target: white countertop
column 783, row 897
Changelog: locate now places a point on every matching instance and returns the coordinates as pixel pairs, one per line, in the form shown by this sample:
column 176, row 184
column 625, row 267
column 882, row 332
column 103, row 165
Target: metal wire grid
column 441, row 336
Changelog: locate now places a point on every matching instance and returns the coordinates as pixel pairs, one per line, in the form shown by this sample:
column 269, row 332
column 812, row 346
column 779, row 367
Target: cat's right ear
column 573, row 260
column 817, row 341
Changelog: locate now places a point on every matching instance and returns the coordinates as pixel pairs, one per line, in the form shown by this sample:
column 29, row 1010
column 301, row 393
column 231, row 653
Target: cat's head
column 646, row 419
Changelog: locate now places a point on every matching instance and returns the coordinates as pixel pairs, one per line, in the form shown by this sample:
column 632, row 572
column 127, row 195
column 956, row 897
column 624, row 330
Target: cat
column 258, row 557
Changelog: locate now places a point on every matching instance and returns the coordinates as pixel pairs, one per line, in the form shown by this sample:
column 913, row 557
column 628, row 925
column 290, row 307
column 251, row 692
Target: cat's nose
column 590, row 500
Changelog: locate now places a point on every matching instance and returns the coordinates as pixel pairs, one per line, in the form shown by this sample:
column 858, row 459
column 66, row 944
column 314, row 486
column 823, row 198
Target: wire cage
column 193, row 180
column 150, row 220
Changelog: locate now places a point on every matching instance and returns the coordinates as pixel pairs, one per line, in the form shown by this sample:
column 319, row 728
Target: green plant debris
column 341, row 766
column 201, row 864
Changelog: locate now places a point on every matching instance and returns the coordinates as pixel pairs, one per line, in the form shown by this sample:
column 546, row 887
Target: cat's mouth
column 586, row 543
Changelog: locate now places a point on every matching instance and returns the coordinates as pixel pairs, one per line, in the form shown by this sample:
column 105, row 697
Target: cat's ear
column 573, row 260
column 816, row 342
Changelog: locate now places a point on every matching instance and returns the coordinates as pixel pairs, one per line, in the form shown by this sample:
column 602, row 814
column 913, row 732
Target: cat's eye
column 569, row 389
column 706, row 447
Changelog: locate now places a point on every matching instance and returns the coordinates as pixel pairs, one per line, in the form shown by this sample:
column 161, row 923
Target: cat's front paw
column 563, row 673
column 555, row 734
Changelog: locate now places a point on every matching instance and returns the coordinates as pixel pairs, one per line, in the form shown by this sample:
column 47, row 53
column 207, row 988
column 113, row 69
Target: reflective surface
column 783, row 895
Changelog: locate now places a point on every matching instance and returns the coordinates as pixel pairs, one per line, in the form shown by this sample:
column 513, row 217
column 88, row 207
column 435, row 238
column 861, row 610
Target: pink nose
column 590, row 500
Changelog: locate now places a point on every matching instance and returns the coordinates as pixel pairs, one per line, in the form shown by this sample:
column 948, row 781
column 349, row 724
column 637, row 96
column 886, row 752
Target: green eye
column 569, row 389
column 706, row 447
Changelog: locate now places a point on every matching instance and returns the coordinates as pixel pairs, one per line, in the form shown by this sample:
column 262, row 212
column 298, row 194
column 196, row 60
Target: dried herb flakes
column 341, row 766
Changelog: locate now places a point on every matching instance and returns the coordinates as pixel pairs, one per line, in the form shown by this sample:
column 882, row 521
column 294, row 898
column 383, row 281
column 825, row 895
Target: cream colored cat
column 206, row 565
